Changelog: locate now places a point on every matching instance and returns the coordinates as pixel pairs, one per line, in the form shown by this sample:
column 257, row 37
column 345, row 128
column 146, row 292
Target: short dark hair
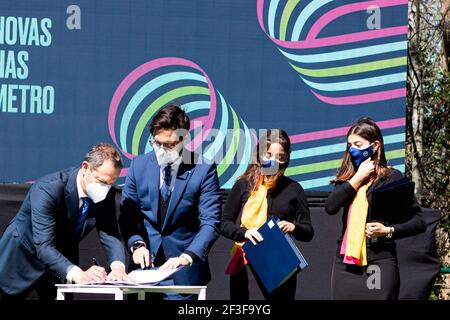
column 101, row 152
column 170, row 117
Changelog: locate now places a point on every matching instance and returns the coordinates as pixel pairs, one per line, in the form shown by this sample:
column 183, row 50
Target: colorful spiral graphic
column 153, row 85
column 341, row 67
column 217, row 132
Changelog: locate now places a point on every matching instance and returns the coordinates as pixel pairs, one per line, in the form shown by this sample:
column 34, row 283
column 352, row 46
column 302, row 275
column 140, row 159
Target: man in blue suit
column 170, row 207
column 40, row 245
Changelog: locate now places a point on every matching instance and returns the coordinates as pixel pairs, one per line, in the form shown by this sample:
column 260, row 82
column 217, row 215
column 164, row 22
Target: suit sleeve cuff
column 72, row 271
column 134, row 239
column 191, row 255
column 117, row 263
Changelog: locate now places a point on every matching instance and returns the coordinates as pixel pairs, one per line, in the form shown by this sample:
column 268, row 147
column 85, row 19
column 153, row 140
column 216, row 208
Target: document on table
column 141, row 277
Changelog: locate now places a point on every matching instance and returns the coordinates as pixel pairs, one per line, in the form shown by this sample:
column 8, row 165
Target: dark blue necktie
column 165, row 191
column 82, row 215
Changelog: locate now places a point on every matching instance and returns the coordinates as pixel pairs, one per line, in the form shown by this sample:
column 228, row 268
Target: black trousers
column 43, row 289
column 239, row 290
column 379, row 280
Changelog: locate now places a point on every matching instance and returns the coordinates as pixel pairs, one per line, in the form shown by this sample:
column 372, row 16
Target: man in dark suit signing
column 40, row 245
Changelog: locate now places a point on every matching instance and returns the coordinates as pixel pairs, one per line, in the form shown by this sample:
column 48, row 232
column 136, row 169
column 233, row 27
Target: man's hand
column 118, row 272
column 173, row 263
column 141, row 256
column 93, row 274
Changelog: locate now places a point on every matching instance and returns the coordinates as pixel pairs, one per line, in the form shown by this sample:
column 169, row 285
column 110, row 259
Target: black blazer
column 342, row 197
column 286, row 201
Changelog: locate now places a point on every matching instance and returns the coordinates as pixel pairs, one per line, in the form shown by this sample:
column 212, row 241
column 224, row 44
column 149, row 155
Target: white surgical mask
column 97, row 191
column 165, row 156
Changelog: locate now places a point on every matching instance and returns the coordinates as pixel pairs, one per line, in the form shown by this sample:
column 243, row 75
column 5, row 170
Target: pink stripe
column 331, row 15
column 312, row 42
column 123, row 172
column 342, row 39
column 194, row 144
column 337, row 132
column 139, row 72
column 363, row 98
column 259, row 13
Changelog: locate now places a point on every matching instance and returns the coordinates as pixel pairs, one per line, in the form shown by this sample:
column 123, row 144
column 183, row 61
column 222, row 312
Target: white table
column 119, row 290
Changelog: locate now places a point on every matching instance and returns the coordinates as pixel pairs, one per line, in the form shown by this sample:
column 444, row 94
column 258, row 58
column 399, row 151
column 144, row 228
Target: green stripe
column 156, row 105
column 313, row 167
column 333, row 164
column 287, row 11
column 395, row 154
column 225, row 163
column 351, row 69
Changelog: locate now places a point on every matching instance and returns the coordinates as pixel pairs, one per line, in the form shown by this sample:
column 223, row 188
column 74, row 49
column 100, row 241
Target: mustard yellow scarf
column 254, row 215
column 353, row 246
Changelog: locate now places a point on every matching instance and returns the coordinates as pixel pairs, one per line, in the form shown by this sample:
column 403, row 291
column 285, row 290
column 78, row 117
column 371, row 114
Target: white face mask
column 165, row 156
column 97, row 191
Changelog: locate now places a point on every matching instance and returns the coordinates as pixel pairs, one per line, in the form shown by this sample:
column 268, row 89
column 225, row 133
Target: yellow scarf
column 254, row 215
column 354, row 244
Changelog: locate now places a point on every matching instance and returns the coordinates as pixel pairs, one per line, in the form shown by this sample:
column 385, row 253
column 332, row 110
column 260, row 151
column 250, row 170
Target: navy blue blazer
column 41, row 236
column 192, row 220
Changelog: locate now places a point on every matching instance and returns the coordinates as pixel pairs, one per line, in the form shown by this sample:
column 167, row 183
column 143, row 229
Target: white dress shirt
column 174, row 166
column 73, row 269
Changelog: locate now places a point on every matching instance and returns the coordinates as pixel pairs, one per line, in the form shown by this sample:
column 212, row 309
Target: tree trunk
column 445, row 14
column 416, row 113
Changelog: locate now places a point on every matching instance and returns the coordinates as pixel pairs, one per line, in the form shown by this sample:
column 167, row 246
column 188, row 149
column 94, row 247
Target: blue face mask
column 360, row 155
column 270, row 167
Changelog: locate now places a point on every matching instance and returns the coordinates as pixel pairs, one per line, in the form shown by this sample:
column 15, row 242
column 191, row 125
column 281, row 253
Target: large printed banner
column 73, row 73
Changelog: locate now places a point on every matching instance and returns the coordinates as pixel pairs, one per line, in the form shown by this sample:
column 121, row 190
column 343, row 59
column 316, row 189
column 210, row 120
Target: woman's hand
column 253, row 235
column 366, row 168
column 376, row 229
column 286, row 226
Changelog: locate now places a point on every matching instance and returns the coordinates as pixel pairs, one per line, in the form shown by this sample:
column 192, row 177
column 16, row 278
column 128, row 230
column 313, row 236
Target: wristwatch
column 137, row 245
column 391, row 232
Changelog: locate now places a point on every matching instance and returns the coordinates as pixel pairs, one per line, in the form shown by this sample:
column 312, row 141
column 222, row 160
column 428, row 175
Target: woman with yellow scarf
column 264, row 191
column 365, row 265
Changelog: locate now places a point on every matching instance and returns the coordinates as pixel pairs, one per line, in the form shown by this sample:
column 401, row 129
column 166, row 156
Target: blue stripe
column 144, row 91
column 306, row 13
column 272, row 11
column 338, row 147
column 357, row 84
column 347, row 54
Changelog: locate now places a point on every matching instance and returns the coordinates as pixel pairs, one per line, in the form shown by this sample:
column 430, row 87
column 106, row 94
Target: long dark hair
column 253, row 172
column 365, row 128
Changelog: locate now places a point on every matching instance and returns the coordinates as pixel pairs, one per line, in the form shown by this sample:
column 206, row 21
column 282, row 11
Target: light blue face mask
column 360, row 155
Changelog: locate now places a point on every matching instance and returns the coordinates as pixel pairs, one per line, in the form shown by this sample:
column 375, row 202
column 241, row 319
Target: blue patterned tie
column 165, row 191
column 82, row 216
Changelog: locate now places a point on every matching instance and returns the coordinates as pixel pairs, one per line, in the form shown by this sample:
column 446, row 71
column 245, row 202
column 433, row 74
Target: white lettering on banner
column 25, row 31
column 15, row 34
column 27, row 99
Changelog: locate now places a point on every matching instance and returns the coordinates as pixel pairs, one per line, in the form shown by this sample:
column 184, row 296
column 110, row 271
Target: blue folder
column 276, row 258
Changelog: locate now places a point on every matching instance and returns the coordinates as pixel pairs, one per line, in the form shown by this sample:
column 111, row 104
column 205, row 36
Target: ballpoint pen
column 145, row 267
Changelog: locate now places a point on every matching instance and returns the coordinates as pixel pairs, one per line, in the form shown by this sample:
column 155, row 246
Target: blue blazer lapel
column 152, row 172
column 183, row 175
column 72, row 200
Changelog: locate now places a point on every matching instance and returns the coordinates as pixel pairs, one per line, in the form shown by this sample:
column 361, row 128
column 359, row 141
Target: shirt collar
column 81, row 193
column 175, row 164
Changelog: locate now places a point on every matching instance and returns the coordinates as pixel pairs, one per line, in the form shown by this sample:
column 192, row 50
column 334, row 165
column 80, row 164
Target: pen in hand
column 95, row 262
column 145, row 264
